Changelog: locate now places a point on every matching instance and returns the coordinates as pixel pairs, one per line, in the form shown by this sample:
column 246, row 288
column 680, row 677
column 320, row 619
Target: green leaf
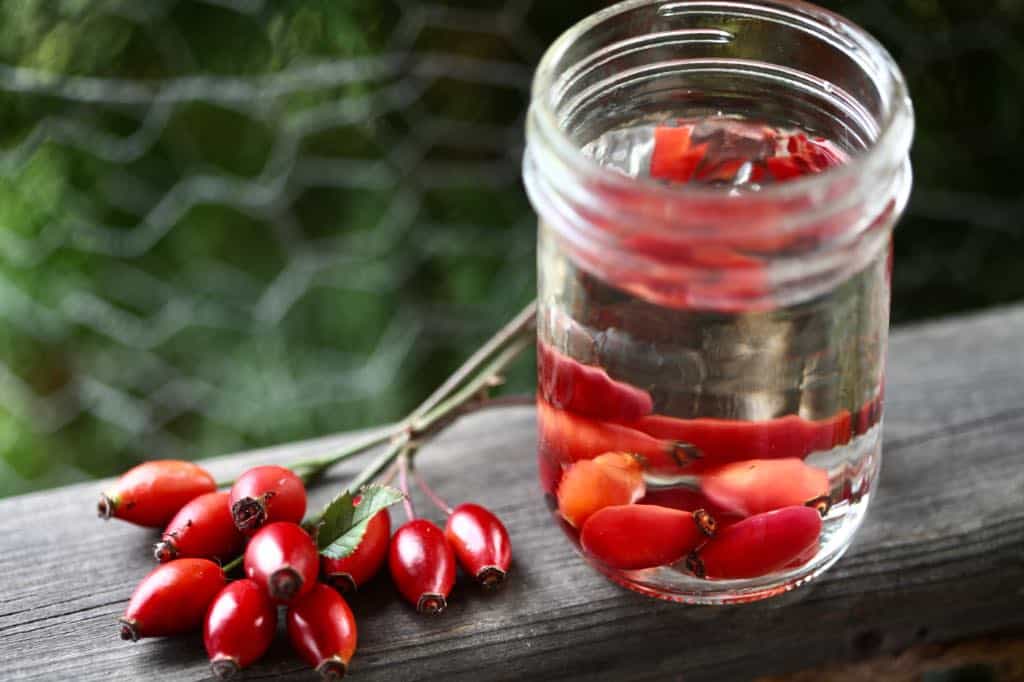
column 344, row 523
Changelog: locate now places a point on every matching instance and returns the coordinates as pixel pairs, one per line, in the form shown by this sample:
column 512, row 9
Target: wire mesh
column 229, row 223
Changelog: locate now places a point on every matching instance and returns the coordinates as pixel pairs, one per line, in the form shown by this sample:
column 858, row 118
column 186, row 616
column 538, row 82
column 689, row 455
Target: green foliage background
column 234, row 223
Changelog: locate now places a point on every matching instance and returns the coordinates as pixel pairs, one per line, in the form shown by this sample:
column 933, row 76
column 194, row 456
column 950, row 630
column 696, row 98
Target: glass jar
column 716, row 184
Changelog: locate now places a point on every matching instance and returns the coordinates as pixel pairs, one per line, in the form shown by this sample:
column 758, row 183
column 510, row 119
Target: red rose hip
column 589, row 485
column 422, row 565
column 323, row 631
column 172, row 599
column 240, row 626
column 152, row 493
column 363, row 563
column 760, row 485
column 202, row 528
column 637, row 536
column 480, row 542
column 283, row 560
column 758, row 545
column 266, row 494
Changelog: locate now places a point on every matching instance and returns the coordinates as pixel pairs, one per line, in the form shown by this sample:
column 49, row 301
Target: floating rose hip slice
column 722, row 441
column 570, row 437
column 761, row 485
column 758, row 545
column 614, row 478
column 637, row 536
column 570, row 385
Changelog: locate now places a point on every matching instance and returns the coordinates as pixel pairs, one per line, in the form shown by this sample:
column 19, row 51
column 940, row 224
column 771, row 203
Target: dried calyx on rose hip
column 323, row 631
column 172, row 599
column 266, row 494
column 151, row 493
column 240, row 626
column 202, row 528
column 282, row 559
column 480, row 542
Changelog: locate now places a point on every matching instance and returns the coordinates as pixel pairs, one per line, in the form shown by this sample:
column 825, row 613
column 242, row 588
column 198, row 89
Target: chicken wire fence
column 228, row 223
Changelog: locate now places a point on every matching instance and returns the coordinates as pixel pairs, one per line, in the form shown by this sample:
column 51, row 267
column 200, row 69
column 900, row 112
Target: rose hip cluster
column 300, row 568
column 750, row 504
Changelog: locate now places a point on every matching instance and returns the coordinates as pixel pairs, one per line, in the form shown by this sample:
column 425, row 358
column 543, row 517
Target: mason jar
column 716, row 184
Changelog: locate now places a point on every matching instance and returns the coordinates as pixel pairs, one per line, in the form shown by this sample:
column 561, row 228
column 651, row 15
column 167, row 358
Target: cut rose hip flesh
column 587, row 390
column 637, row 536
column 758, row 545
column 614, row 478
column 720, row 441
column 570, row 437
column 760, row 485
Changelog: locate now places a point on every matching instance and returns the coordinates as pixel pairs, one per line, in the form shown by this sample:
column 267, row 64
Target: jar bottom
column 840, row 526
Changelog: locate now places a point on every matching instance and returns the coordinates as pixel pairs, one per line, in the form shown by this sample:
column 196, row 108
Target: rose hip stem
column 403, row 484
column 431, row 495
column 449, row 401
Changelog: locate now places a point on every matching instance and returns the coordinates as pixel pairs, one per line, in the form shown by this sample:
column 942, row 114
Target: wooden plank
column 941, row 557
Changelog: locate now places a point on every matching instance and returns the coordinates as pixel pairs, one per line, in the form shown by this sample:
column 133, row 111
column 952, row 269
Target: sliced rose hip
column 720, row 441
column 611, row 479
column 760, row 485
column 758, row 545
column 570, row 385
column 637, row 536
column 571, row 437
column 674, row 157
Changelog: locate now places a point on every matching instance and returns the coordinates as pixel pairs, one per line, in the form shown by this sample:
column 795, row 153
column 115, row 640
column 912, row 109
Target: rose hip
column 202, row 528
column 570, row 437
column 172, row 599
column 637, row 536
column 323, row 631
column 266, row 494
column 480, row 543
column 722, row 441
column 613, row 478
column 758, row 545
column 570, row 385
column 422, row 565
column 283, row 560
column 761, row 485
column 690, row 499
column 240, row 626
column 363, row 563
column 153, row 492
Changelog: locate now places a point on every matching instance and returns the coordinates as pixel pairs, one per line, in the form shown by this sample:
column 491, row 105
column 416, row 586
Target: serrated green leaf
column 344, row 523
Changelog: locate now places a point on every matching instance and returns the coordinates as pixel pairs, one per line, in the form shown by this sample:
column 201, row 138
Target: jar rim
column 895, row 129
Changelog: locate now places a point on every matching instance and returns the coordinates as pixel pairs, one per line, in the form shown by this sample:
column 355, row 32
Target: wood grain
column 941, row 557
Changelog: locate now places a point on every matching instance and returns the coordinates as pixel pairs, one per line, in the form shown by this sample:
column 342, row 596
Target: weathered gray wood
column 941, row 557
